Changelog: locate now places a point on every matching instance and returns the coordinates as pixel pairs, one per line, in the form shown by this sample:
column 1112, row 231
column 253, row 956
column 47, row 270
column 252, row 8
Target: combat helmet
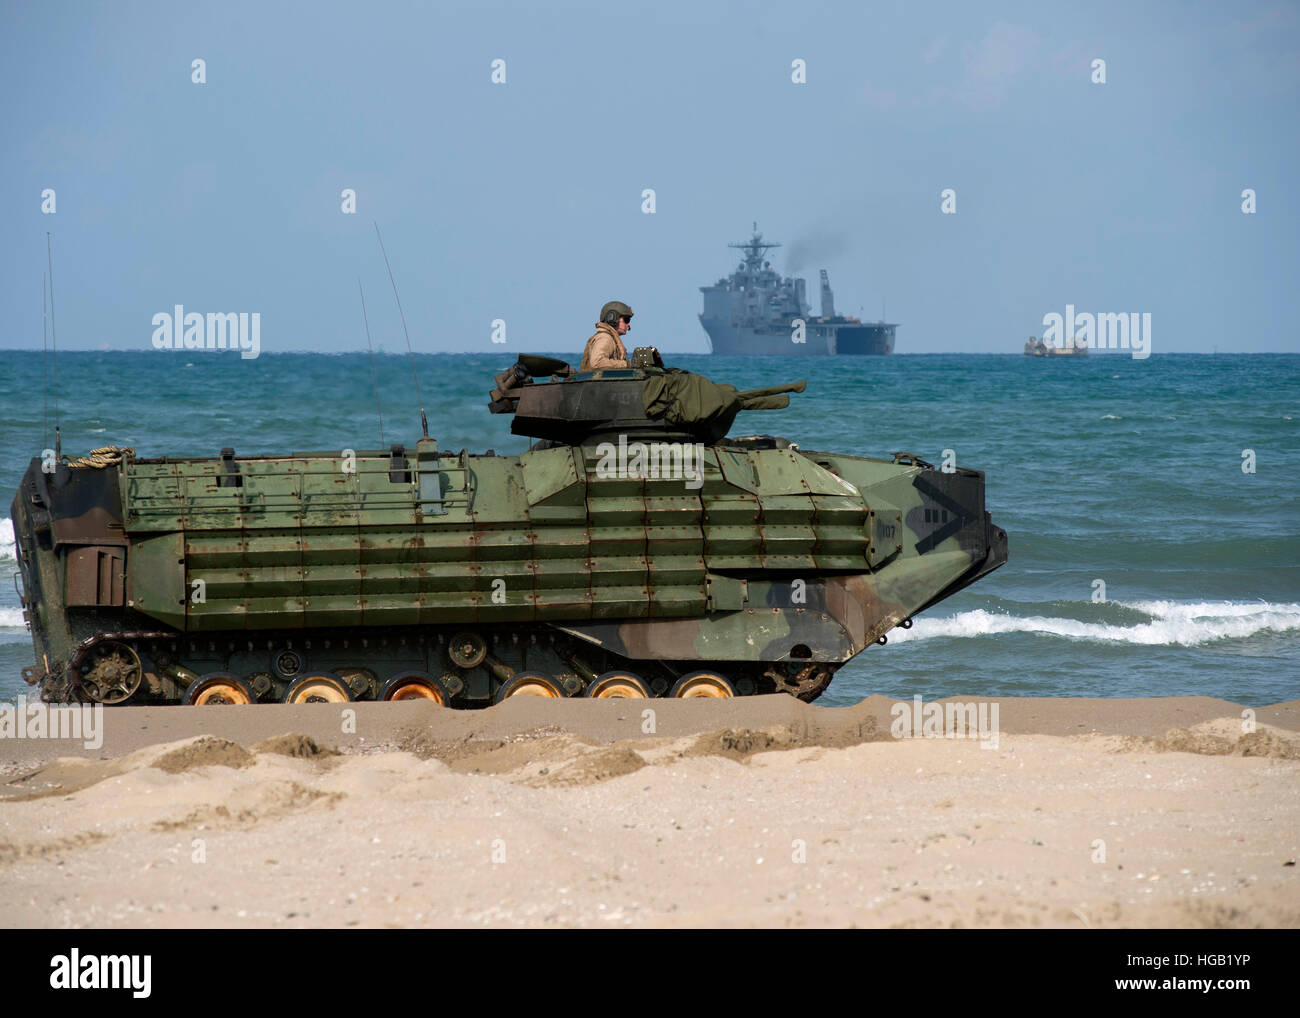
column 613, row 311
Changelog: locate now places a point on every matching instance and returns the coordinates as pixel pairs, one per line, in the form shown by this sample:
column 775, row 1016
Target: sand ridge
column 785, row 823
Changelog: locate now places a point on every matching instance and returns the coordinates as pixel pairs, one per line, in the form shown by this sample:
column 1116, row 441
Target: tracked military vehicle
column 635, row 550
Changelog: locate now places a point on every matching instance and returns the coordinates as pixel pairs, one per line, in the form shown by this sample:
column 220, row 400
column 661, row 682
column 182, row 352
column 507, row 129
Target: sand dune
column 758, row 812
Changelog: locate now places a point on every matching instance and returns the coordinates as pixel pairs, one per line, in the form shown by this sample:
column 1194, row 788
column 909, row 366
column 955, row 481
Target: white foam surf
column 1171, row 624
column 7, row 550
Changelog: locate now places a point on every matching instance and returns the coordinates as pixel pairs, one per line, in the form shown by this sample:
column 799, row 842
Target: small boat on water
column 1038, row 348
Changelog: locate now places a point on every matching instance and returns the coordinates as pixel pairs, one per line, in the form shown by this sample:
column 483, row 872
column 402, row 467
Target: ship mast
column 754, row 249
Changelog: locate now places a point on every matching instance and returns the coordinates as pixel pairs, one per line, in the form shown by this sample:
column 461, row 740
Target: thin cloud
column 935, row 50
column 997, row 62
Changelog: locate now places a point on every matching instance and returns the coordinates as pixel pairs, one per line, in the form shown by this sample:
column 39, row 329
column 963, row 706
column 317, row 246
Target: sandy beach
column 760, row 811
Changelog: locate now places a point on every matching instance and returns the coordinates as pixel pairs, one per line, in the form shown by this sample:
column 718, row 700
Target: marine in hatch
column 605, row 349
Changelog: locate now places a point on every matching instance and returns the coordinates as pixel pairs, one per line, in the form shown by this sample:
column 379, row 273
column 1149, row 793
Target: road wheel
column 529, row 684
column 219, row 687
column 705, row 684
column 111, row 673
column 618, row 684
column 416, row 686
column 318, row 687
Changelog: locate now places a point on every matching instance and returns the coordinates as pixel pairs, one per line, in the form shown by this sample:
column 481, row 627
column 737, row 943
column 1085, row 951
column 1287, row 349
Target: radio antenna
column 45, row 350
column 372, row 363
column 424, row 421
column 54, row 343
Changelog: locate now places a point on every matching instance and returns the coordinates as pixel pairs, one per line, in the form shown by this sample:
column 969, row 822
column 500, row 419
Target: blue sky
column 523, row 201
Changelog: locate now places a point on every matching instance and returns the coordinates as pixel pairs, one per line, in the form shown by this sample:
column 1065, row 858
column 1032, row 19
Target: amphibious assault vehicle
column 634, row 551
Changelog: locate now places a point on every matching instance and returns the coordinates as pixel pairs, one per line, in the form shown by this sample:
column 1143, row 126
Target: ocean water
column 1129, row 472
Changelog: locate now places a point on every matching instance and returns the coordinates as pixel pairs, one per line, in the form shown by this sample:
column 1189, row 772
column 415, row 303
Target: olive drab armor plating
column 634, row 550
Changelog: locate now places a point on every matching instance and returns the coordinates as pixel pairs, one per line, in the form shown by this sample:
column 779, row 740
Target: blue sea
column 1123, row 471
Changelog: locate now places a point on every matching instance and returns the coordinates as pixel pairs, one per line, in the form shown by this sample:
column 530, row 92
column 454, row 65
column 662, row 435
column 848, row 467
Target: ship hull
column 1057, row 352
column 819, row 340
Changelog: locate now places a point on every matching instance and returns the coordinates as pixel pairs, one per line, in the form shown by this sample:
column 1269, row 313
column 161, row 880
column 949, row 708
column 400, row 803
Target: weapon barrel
column 765, row 402
column 774, row 390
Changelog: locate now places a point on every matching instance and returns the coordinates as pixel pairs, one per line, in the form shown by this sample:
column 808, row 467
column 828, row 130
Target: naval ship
column 757, row 311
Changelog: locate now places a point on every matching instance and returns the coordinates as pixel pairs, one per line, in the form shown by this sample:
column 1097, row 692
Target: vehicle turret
column 550, row 400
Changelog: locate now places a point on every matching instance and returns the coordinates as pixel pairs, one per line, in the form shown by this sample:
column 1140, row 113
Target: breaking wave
column 12, row 618
column 1169, row 624
column 7, row 540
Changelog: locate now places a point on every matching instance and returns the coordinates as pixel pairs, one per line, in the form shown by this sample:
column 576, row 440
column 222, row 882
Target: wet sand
column 761, row 811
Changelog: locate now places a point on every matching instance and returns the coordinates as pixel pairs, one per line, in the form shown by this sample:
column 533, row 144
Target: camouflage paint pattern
column 769, row 554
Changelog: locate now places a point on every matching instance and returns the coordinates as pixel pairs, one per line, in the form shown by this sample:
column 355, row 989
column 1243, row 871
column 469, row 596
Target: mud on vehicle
column 635, row 550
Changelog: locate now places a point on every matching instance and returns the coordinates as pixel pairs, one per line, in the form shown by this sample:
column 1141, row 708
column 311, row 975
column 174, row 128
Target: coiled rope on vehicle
column 105, row 456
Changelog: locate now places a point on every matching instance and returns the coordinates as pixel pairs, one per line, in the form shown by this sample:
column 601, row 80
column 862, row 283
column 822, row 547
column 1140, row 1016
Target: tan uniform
column 604, row 350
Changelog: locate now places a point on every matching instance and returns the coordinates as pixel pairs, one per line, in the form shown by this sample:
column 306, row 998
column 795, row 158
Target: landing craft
column 412, row 572
column 1035, row 347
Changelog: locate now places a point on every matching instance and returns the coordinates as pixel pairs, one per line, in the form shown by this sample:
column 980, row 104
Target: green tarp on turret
column 705, row 407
